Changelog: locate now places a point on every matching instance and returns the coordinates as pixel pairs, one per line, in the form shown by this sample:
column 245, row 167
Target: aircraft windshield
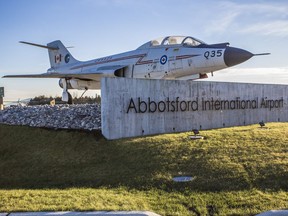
column 172, row 40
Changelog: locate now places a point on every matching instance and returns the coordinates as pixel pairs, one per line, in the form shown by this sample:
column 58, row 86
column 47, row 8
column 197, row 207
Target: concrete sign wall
column 136, row 107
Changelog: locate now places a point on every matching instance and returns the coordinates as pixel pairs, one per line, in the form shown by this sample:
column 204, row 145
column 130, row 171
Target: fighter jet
column 171, row 57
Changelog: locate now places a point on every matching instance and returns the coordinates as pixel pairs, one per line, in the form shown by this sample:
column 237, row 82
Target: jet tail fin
column 58, row 54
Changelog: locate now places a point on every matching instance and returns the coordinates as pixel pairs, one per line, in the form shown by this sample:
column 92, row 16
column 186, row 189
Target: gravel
column 76, row 116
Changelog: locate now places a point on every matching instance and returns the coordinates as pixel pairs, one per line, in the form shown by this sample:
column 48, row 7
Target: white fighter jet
column 171, row 57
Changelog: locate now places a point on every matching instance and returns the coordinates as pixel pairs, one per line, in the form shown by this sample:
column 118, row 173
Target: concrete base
column 119, row 213
column 274, row 213
column 94, row 213
column 139, row 107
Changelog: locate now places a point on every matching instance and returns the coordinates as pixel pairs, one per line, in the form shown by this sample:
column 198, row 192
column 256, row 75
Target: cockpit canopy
column 172, row 40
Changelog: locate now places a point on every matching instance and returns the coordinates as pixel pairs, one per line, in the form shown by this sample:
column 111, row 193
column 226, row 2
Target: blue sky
column 98, row 28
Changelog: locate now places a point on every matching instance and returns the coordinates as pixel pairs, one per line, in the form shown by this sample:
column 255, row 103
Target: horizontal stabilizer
column 39, row 45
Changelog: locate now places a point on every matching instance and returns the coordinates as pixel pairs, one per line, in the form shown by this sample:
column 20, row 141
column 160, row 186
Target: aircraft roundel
column 67, row 58
column 163, row 59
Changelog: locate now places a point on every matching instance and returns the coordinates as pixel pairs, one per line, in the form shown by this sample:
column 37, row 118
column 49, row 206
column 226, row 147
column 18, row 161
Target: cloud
column 223, row 23
column 274, row 28
column 252, row 75
column 267, row 18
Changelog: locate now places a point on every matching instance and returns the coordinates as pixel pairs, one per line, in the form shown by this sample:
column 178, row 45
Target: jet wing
column 92, row 74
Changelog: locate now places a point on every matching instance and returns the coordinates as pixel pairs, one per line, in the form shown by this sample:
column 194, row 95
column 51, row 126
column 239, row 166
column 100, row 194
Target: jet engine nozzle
column 234, row 56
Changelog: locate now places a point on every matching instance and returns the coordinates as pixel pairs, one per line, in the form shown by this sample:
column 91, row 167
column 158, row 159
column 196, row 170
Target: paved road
column 95, row 213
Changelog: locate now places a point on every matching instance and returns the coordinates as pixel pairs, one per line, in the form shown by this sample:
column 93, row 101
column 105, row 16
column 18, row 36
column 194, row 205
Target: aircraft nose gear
column 84, row 92
column 66, row 96
column 70, row 100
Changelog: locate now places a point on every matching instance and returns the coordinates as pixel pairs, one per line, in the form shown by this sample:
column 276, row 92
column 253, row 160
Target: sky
column 97, row 28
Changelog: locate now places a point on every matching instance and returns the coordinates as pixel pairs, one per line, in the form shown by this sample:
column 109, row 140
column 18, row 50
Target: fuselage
column 172, row 57
column 162, row 60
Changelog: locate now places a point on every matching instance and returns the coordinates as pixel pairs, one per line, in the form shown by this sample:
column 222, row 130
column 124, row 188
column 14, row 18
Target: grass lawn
column 236, row 171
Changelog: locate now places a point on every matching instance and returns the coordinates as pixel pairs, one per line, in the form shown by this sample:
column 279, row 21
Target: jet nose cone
column 234, row 56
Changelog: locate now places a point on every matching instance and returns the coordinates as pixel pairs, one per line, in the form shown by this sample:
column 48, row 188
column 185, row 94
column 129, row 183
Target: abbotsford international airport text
column 148, row 105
